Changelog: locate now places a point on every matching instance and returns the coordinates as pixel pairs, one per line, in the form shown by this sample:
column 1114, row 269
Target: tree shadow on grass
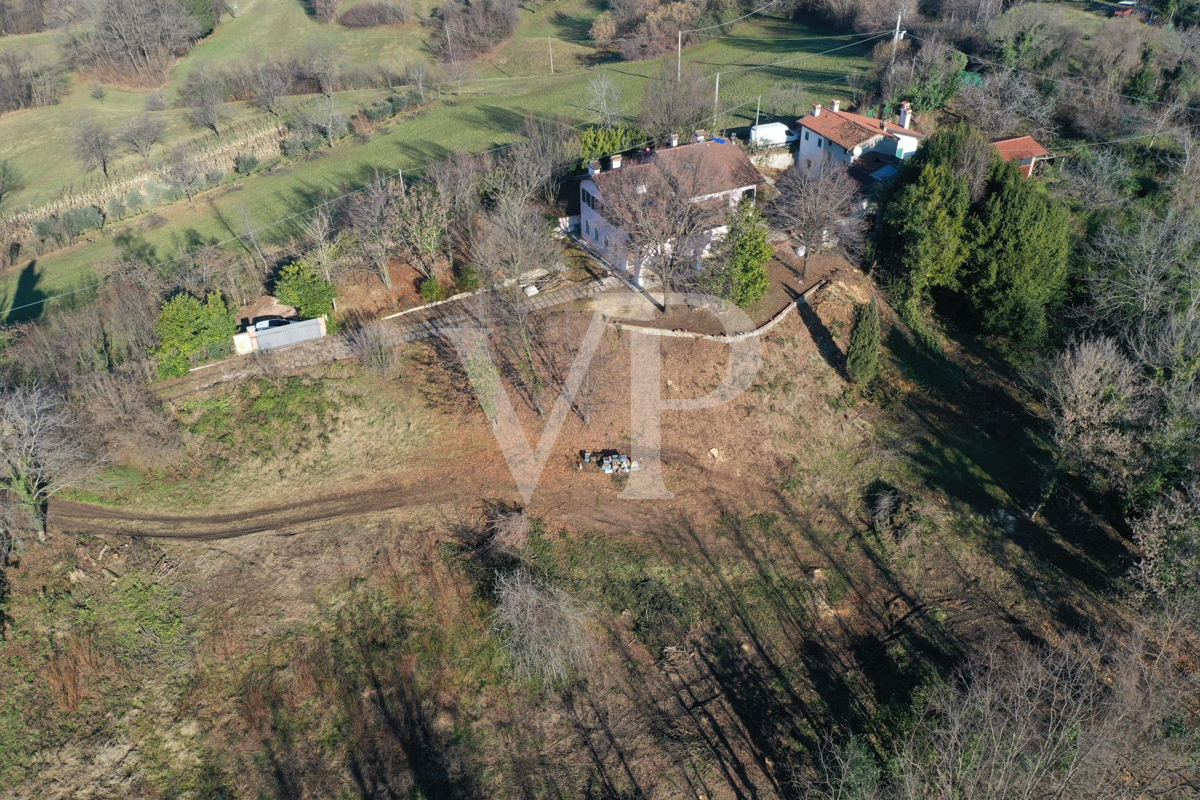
column 385, row 735
column 822, row 337
column 28, row 298
column 968, row 435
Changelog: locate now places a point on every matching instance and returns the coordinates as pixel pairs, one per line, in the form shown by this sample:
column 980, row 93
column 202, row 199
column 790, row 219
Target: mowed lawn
column 488, row 114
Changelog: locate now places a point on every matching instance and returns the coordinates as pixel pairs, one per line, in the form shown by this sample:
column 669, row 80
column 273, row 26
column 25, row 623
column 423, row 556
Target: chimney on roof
column 836, row 106
column 593, row 167
column 816, row 109
column 674, row 140
column 616, row 161
column 698, row 136
column 905, row 114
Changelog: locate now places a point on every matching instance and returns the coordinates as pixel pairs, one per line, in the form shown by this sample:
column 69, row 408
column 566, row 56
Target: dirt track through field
column 71, row 517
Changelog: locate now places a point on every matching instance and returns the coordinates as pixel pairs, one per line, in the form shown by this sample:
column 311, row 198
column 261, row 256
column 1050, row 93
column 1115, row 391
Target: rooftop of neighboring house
column 851, row 130
column 721, row 166
column 1019, row 148
column 874, row 167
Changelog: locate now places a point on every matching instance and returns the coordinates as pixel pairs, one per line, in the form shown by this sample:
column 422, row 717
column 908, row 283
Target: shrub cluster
column 370, row 15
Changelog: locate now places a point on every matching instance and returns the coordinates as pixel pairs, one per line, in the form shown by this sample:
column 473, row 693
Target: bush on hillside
column 189, row 331
column 245, row 163
column 300, row 287
column 369, row 15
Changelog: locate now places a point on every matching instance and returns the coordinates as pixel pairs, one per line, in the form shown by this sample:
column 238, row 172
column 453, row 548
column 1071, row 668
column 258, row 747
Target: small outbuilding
column 1025, row 150
column 771, row 134
column 253, row 341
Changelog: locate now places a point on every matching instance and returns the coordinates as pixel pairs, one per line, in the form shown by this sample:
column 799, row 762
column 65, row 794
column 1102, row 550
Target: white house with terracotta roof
column 830, row 135
column 722, row 176
column 1024, row 150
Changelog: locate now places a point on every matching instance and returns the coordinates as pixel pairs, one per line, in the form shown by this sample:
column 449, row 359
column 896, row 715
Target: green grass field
column 488, row 114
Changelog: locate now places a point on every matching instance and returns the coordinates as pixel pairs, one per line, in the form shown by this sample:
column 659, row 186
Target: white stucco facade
column 612, row 243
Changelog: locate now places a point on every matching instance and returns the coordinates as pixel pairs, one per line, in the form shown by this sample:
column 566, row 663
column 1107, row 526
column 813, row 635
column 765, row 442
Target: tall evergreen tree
column 862, row 356
column 741, row 275
column 1020, row 250
column 928, row 220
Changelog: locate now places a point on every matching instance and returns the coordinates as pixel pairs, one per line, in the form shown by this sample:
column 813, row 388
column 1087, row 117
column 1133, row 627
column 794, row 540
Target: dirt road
column 560, row 506
column 71, row 517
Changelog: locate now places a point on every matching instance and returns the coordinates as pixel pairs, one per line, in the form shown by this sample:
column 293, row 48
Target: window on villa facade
column 806, row 136
column 818, row 141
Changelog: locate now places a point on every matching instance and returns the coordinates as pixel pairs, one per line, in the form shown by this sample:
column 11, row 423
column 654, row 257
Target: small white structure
column 723, row 176
column 829, row 135
column 253, row 341
column 771, row 134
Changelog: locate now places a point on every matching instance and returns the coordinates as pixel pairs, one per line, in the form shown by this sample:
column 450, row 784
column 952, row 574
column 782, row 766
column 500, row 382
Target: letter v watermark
column 526, row 466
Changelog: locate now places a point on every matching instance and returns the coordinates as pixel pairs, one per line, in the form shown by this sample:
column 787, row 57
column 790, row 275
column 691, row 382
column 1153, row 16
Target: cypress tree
column 741, row 275
column 1021, row 246
column 929, row 223
column 862, row 356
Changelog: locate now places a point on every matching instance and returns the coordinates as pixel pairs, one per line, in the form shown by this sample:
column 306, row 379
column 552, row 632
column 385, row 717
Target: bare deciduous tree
column 543, row 629
column 416, row 73
column 94, row 146
column 1081, row 720
column 459, row 180
column 142, row 134
column 205, row 93
column 181, row 172
column 271, row 84
column 369, row 211
column 1007, row 103
column 131, row 39
column 1097, row 177
column 819, row 210
column 539, row 160
column 676, row 106
column 654, row 205
column 1168, row 534
column 372, row 342
column 41, row 449
column 1099, row 406
column 1143, row 267
column 513, row 241
column 604, row 99
column 419, row 224
column 324, row 10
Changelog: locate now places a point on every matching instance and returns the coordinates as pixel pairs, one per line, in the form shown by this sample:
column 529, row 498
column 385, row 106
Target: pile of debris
column 610, row 462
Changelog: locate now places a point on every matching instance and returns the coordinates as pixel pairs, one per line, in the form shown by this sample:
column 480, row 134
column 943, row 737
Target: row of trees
column 962, row 221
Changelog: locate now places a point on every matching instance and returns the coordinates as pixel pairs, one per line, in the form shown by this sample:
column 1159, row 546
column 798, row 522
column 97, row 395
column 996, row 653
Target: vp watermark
column 646, row 401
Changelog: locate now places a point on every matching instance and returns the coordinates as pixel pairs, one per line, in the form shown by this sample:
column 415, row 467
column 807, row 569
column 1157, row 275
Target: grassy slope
column 487, row 115
column 38, row 141
column 796, row 612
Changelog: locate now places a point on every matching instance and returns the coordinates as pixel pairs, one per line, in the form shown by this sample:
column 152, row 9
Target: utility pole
column 679, row 58
column 717, row 93
column 896, row 38
column 757, row 109
column 449, row 46
column 550, row 42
